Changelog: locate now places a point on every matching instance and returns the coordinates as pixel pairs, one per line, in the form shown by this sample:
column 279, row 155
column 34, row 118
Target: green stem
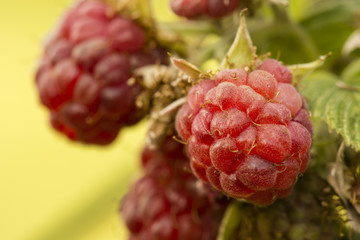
column 189, row 27
column 230, row 222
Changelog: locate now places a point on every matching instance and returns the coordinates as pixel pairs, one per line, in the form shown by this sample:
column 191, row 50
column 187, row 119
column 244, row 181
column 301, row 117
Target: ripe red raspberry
column 210, row 8
column 248, row 134
column 82, row 77
column 168, row 203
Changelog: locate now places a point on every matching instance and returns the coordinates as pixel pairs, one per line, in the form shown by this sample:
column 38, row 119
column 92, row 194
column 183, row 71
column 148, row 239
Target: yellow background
column 51, row 188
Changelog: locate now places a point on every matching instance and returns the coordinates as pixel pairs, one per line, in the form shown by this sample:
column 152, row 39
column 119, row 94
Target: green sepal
column 242, row 53
column 189, row 69
column 135, row 9
column 299, row 71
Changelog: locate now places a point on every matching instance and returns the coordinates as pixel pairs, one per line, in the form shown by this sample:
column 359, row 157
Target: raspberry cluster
column 83, row 75
column 168, row 203
column 248, row 133
column 209, row 8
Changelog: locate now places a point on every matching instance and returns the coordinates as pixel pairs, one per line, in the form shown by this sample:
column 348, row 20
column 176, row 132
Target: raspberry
column 247, row 134
column 167, row 203
column 220, row 8
column 153, row 211
column 82, row 77
column 188, row 8
column 210, row 8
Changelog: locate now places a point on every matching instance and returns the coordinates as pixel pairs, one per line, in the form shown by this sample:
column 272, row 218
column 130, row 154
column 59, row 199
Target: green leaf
column 284, row 40
column 242, row 52
column 352, row 43
column 230, row 222
column 337, row 103
column 329, row 23
column 351, row 74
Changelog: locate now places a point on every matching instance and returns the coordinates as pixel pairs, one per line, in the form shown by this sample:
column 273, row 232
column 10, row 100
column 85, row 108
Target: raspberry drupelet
column 248, row 134
column 83, row 75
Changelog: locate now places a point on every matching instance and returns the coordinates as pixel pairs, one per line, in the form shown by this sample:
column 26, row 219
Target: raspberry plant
column 233, row 124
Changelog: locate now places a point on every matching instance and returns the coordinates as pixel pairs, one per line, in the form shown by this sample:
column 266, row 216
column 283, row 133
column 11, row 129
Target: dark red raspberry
column 82, row 77
column 168, row 202
column 248, row 133
column 220, row 8
column 210, row 8
column 153, row 211
column 188, row 8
